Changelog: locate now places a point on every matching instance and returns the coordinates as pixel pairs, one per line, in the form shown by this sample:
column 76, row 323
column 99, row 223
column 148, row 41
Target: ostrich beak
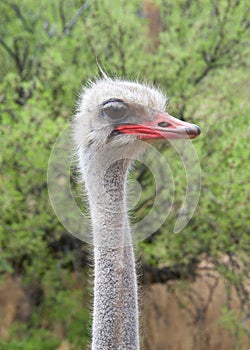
column 163, row 126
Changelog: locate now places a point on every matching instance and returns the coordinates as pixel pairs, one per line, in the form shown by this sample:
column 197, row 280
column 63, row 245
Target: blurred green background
column 195, row 51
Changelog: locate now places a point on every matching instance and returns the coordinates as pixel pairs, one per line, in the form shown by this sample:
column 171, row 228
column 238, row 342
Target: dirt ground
column 179, row 315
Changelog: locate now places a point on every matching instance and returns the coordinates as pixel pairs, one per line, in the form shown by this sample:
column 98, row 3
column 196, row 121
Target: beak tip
column 198, row 130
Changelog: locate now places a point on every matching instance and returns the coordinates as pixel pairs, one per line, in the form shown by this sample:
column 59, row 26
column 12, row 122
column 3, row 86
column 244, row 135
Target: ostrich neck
column 115, row 317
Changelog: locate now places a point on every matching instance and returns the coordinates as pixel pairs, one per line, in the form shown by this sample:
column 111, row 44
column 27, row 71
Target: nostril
column 164, row 124
column 115, row 133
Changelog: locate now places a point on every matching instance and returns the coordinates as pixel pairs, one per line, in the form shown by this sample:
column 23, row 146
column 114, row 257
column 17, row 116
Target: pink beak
column 164, row 126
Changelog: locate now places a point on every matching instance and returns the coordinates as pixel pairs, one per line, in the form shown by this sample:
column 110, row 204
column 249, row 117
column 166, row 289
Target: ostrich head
column 114, row 114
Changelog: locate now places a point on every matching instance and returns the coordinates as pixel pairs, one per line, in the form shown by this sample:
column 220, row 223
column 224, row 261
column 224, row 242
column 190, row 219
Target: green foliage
column 35, row 339
column 47, row 50
column 65, row 306
column 62, row 312
column 230, row 320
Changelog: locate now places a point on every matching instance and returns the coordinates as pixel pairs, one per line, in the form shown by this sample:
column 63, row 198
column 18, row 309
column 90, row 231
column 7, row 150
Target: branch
column 61, row 13
column 213, row 55
column 7, row 48
column 15, row 55
column 19, row 15
column 153, row 274
column 20, row 61
column 69, row 26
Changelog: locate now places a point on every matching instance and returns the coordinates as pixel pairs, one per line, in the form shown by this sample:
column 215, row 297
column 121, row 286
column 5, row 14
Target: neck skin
column 115, row 317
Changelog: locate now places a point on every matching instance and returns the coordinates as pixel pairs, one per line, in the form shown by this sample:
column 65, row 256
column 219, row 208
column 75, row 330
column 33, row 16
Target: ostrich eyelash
column 112, row 100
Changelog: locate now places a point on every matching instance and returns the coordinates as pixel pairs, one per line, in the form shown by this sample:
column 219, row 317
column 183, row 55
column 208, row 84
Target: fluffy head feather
column 90, row 126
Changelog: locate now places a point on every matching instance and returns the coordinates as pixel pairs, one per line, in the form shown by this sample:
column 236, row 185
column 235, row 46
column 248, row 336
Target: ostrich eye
column 115, row 109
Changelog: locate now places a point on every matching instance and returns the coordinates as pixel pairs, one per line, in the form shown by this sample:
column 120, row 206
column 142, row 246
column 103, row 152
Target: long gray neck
column 115, row 317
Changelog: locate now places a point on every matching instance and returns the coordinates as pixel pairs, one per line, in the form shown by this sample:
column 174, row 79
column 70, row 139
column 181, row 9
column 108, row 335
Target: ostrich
column 113, row 118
